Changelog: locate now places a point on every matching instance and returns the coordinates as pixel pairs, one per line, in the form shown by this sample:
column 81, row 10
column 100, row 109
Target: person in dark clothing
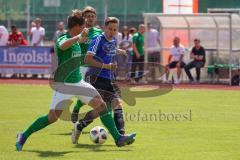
column 199, row 59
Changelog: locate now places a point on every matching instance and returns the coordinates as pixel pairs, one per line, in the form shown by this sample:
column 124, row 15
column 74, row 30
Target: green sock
column 109, row 108
column 40, row 123
column 108, row 122
column 77, row 107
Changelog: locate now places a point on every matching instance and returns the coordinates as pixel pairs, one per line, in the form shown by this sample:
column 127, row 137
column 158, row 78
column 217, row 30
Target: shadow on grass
column 49, row 153
column 69, row 133
column 102, row 148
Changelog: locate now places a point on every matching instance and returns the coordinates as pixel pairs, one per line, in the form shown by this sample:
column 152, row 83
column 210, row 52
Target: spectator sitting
column 198, row 56
column 16, row 37
column 175, row 60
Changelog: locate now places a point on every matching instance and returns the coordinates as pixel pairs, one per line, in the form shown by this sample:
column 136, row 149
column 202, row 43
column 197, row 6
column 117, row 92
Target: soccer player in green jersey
column 67, row 50
column 90, row 15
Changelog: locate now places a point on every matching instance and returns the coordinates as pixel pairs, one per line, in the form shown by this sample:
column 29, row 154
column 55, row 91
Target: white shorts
column 81, row 90
column 83, row 71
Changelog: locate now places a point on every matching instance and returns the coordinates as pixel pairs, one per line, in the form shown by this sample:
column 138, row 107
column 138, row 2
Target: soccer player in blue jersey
column 102, row 51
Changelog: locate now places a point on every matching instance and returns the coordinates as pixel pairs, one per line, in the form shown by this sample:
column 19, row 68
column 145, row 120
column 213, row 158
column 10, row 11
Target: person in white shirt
column 3, row 35
column 118, row 37
column 175, row 59
column 126, row 44
column 3, row 38
column 37, row 33
column 153, row 50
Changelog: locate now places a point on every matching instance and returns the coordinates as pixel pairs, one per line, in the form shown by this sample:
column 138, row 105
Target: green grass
column 212, row 133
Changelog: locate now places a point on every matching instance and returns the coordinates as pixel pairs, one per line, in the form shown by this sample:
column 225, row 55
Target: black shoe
column 126, row 140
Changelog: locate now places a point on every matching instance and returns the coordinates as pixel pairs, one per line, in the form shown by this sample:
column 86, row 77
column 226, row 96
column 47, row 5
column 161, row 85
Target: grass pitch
column 180, row 125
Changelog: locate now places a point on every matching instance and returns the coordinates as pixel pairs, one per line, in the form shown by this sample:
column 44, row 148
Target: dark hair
column 132, row 30
column 13, row 26
column 111, row 20
column 88, row 9
column 196, row 40
column 75, row 19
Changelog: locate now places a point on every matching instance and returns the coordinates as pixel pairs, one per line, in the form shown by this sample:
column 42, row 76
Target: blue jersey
column 104, row 51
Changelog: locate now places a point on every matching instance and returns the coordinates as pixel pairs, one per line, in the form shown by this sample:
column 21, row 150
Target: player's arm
column 89, row 59
column 69, row 42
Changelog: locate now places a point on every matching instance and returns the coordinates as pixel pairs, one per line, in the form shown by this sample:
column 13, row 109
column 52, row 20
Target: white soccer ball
column 98, row 135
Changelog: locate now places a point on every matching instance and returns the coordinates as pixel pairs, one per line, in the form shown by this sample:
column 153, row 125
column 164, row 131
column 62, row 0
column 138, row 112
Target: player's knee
column 117, row 104
column 96, row 101
column 52, row 117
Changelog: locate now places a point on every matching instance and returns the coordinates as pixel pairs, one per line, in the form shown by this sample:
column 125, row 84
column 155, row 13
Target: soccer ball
column 98, row 135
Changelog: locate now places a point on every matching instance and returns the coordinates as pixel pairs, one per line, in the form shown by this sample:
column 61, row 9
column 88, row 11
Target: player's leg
column 116, row 104
column 79, row 104
column 82, row 123
column 101, row 86
column 108, row 122
column 59, row 102
column 91, row 115
column 76, row 109
column 38, row 124
column 99, row 106
column 118, row 115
